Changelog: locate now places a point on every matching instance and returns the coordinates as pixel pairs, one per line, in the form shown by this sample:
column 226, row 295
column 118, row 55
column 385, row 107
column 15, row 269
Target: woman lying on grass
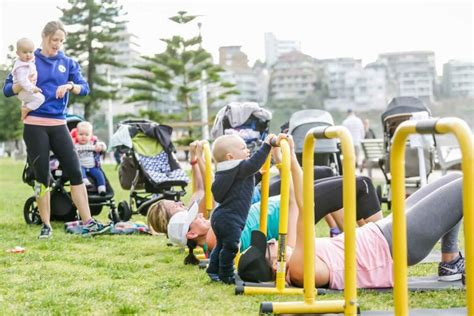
column 194, row 229
column 433, row 212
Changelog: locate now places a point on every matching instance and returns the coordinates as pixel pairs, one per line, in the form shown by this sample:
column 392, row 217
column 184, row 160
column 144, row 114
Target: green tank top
column 253, row 221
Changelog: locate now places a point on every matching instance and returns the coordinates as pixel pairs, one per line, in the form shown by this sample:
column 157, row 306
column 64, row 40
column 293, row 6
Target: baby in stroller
column 62, row 207
column 88, row 149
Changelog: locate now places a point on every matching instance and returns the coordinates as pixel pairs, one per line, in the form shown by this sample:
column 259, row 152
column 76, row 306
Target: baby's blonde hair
column 85, row 124
column 222, row 146
column 22, row 42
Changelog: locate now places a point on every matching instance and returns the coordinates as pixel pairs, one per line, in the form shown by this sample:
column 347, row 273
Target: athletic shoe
column 46, row 232
column 228, row 280
column 94, row 228
column 333, row 232
column 451, row 271
column 214, row 277
column 463, row 280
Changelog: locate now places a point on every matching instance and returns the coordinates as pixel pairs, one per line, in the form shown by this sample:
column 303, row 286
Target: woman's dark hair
column 191, row 257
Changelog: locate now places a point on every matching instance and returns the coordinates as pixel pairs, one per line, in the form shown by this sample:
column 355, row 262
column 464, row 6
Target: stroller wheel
column 31, row 212
column 124, row 211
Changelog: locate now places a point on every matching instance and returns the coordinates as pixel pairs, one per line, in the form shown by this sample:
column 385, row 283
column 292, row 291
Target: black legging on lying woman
column 328, row 194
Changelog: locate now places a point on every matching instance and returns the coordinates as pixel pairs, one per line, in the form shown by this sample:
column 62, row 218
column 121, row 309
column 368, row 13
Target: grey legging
column 432, row 212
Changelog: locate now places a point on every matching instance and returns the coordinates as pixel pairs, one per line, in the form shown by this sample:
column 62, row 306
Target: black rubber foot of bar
column 266, row 308
column 239, row 290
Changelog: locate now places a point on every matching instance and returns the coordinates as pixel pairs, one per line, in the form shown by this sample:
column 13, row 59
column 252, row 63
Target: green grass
column 118, row 275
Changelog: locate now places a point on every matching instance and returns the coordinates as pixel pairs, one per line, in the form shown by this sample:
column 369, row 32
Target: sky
column 325, row 29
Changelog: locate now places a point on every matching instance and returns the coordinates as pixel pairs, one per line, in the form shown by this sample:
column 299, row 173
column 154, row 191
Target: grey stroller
column 326, row 151
column 419, row 153
column 246, row 119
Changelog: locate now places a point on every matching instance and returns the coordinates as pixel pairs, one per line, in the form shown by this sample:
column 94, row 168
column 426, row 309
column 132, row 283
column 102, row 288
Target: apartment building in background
column 458, row 79
column 251, row 82
column 412, row 73
column 128, row 55
column 293, row 76
column 274, row 48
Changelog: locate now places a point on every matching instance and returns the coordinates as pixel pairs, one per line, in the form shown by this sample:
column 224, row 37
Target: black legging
column 39, row 140
column 328, row 194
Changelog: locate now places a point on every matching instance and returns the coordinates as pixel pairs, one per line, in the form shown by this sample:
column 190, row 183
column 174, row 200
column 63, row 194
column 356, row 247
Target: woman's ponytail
column 191, row 257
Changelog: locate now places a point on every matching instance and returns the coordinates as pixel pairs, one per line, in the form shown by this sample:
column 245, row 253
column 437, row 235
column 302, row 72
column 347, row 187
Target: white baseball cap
column 178, row 225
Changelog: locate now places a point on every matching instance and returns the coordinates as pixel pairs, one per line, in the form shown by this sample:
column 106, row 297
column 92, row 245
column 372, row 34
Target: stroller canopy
column 403, row 105
column 237, row 114
column 302, row 121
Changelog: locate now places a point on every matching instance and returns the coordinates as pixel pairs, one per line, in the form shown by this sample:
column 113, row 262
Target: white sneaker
column 101, row 189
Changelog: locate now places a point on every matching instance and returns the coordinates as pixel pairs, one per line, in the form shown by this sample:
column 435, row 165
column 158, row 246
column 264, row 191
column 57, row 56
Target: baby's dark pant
column 222, row 257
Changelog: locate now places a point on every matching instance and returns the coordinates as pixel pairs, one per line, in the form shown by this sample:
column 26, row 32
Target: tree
column 178, row 72
column 95, row 25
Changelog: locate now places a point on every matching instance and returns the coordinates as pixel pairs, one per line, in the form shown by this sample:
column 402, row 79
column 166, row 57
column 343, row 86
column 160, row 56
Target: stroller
column 246, row 119
column 419, row 155
column 326, row 151
column 62, row 207
column 148, row 167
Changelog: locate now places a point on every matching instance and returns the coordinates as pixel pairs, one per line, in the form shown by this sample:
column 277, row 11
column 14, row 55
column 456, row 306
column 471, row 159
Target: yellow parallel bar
column 464, row 136
column 319, row 307
column 466, row 141
column 282, row 228
column 308, row 218
column 265, row 192
column 271, row 290
column 399, row 248
column 283, row 223
column 208, row 178
column 349, row 202
column 310, row 305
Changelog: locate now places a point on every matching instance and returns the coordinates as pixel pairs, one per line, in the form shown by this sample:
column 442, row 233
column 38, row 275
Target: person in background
column 355, row 126
column 45, row 128
column 369, row 132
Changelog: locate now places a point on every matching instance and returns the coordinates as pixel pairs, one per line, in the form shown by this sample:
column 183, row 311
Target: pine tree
column 178, row 72
column 93, row 25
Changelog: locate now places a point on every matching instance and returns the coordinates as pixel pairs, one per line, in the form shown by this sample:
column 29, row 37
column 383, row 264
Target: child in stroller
column 246, row 119
column 148, row 167
column 88, row 149
column 62, row 207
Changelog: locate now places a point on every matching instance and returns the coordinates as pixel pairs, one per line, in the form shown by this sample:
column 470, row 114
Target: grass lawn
column 127, row 274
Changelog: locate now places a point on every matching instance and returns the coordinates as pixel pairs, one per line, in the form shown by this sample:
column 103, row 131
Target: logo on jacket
column 61, row 68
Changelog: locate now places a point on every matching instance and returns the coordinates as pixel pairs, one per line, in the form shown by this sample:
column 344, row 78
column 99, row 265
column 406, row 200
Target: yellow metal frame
column 208, row 178
column 279, row 287
column 265, row 192
column 464, row 136
column 349, row 305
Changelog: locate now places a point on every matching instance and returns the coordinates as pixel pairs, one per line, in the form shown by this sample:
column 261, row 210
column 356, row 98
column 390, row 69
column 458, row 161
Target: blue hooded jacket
column 53, row 72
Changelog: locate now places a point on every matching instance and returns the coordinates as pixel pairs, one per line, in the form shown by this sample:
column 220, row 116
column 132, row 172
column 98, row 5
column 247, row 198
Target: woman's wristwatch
column 72, row 85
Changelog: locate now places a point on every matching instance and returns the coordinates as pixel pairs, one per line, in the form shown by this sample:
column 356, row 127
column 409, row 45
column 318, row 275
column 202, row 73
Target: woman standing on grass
column 45, row 128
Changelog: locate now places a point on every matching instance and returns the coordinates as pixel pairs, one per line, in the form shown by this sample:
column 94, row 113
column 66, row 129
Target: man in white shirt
column 355, row 126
